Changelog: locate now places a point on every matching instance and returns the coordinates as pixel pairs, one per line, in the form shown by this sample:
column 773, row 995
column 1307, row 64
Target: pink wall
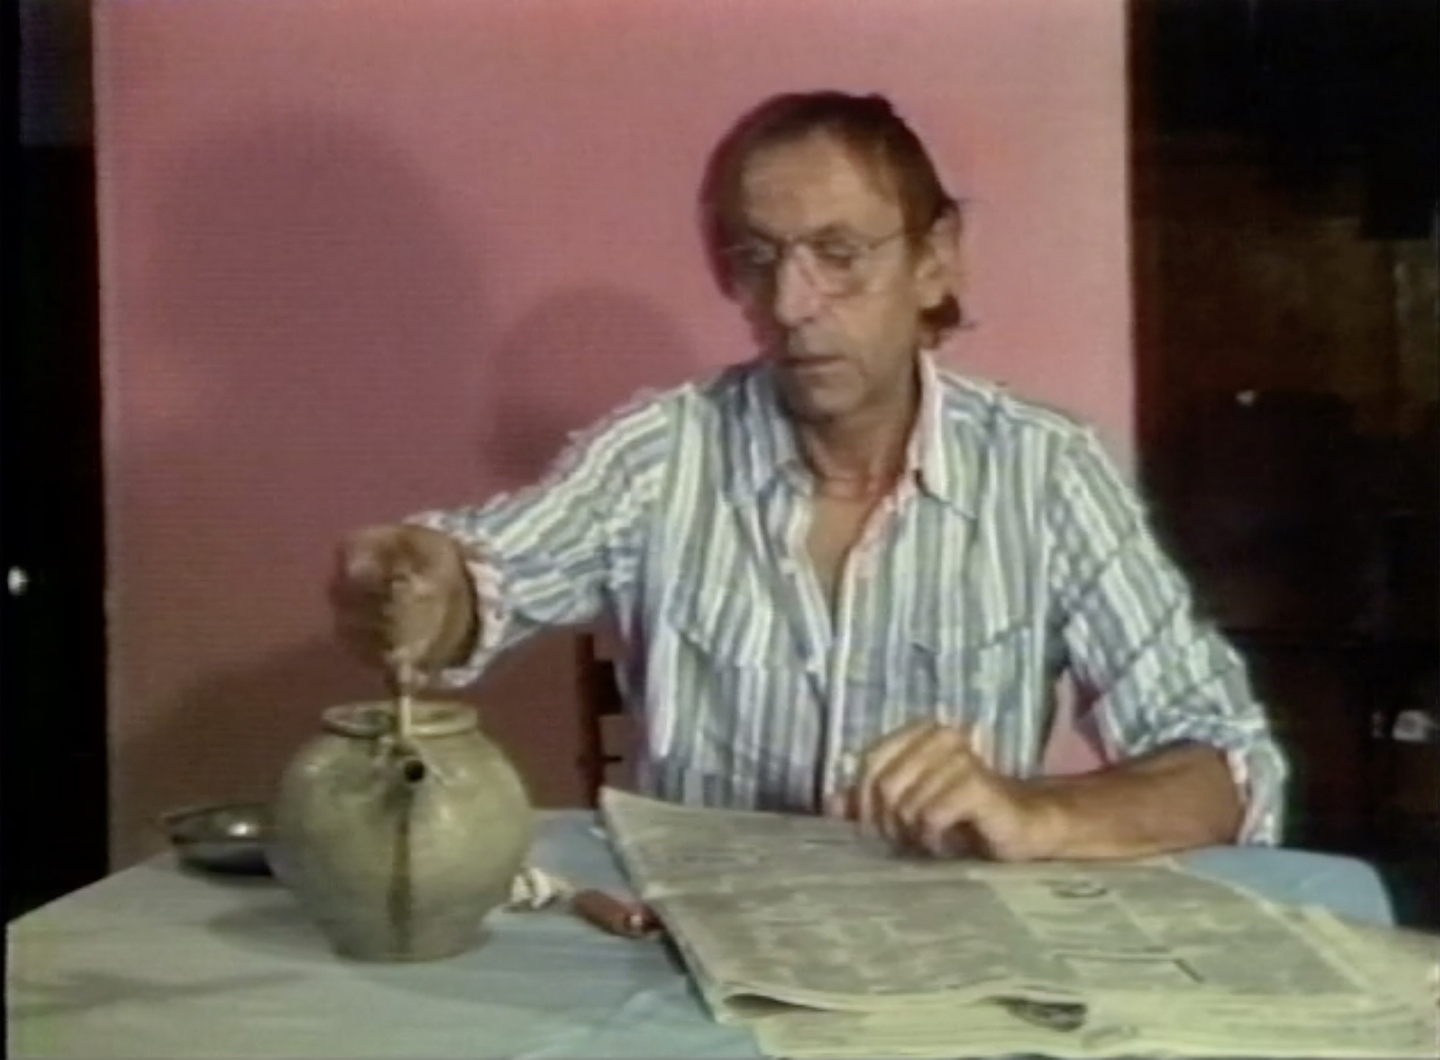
column 362, row 256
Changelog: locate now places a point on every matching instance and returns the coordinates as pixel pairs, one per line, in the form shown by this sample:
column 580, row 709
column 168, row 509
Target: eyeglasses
column 834, row 265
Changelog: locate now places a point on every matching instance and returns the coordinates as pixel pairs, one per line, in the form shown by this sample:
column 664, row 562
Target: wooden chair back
column 600, row 698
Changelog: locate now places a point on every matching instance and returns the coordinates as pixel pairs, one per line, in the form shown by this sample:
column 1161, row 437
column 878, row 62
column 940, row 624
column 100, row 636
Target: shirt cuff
column 1259, row 797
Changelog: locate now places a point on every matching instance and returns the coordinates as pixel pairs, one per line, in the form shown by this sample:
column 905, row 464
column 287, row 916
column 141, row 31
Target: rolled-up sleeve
column 555, row 553
column 1160, row 674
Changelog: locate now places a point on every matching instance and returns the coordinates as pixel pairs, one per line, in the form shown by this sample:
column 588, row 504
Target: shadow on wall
column 299, row 304
column 301, row 359
column 574, row 357
column 240, row 725
column 309, row 314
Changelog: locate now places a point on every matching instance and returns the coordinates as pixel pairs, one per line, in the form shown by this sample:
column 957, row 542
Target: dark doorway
column 55, row 800
column 1286, row 234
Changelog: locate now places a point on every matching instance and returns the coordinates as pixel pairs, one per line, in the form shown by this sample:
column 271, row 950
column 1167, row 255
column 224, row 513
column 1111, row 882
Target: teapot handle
column 405, row 756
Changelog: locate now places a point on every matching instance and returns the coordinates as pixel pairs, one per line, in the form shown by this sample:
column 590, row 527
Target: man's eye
column 837, row 255
column 753, row 256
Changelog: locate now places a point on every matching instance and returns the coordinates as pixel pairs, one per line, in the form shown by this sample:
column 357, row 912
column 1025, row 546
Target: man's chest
column 922, row 623
column 865, row 597
column 837, row 529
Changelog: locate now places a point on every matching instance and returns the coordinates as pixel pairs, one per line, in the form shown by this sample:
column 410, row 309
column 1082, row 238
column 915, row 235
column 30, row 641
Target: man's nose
column 796, row 296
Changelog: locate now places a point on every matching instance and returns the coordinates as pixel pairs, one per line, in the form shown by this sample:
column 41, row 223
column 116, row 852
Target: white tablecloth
column 157, row 962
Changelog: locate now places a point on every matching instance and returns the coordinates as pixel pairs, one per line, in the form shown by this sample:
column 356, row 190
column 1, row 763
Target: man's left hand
column 928, row 786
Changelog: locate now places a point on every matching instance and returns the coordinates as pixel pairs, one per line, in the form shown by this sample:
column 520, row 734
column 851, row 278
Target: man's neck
column 861, row 455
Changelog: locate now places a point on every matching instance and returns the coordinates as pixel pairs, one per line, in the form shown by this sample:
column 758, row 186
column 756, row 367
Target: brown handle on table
column 616, row 916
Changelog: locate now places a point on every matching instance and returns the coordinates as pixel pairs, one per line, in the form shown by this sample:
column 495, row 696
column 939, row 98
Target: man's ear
column 940, row 269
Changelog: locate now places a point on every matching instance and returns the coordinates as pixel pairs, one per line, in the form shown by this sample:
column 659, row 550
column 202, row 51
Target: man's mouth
column 810, row 362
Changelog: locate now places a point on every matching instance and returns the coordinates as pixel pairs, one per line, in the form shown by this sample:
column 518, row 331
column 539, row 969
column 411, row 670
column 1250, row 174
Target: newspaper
column 828, row 945
column 1397, row 1019
column 994, row 1029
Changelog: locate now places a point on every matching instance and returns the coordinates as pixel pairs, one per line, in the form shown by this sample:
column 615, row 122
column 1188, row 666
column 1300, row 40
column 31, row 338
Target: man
column 848, row 580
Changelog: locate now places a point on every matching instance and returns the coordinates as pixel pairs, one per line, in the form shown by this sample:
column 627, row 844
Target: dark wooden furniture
column 600, row 699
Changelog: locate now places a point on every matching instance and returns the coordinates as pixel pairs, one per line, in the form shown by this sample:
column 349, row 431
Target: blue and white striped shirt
column 1012, row 551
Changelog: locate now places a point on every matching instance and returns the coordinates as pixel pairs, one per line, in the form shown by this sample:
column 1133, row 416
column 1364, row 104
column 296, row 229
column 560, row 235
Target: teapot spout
column 412, row 768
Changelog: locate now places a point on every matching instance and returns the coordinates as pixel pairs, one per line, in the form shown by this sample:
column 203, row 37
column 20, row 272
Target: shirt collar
column 765, row 448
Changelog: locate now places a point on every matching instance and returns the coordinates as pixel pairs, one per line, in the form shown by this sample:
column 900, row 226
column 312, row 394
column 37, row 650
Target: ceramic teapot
column 399, row 828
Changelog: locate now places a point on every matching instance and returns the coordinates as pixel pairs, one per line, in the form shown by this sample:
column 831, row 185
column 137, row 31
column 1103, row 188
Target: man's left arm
column 1196, row 763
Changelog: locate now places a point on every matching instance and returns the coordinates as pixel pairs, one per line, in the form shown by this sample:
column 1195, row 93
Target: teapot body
column 398, row 847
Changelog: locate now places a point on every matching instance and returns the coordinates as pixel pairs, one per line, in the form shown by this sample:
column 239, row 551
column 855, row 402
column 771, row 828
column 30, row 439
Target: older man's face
column 829, row 278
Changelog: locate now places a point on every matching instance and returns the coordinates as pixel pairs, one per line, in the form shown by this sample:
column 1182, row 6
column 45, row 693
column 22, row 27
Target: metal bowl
column 227, row 838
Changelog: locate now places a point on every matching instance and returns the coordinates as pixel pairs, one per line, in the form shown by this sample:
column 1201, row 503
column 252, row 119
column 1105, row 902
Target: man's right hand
column 403, row 589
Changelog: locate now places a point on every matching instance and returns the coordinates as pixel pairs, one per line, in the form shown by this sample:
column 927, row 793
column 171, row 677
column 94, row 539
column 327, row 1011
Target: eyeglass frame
column 864, row 248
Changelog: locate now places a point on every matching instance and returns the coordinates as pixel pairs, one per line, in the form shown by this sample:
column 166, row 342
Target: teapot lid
column 375, row 719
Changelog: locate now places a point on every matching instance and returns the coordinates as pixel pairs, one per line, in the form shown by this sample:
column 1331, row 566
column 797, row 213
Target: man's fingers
column 906, row 800
column 365, row 559
column 414, row 619
column 900, row 755
column 881, row 765
column 391, row 590
column 913, row 804
column 374, row 558
column 921, row 786
column 981, row 746
column 952, row 814
column 895, row 745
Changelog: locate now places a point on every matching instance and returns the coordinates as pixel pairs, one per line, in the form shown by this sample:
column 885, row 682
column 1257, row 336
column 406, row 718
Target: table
column 157, row 962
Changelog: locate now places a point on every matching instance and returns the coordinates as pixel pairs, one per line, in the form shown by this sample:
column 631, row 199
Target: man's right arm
column 553, row 553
